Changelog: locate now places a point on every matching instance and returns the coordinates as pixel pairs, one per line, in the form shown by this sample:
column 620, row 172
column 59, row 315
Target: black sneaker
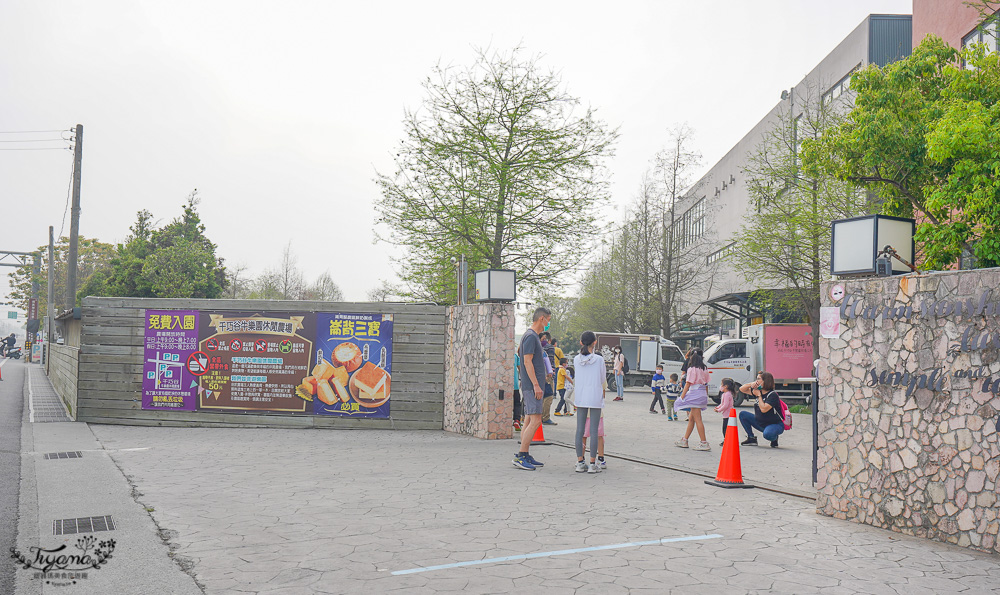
column 751, row 441
column 774, row 444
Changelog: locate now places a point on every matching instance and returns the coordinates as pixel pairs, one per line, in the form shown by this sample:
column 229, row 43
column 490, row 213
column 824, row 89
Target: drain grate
column 83, row 525
column 64, row 455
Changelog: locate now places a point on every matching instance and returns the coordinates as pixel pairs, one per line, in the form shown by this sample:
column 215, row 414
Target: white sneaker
column 702, row 446
column 594, row 468
column 581, row 467
column 603, row 464
column 683, row 443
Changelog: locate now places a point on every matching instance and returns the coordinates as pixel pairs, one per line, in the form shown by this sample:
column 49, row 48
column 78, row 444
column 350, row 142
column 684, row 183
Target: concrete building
column 711, row 215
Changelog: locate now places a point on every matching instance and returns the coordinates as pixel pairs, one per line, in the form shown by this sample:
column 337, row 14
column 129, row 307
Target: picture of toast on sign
column 370, row 385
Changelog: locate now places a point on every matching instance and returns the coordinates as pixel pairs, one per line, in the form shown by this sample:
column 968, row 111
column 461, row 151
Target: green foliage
column 93, row 257
column 175, row 261
column 496, row 165
column 787, row 251
column 924, row 136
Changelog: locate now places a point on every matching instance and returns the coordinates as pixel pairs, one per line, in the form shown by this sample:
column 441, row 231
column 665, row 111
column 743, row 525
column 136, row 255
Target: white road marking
column 558, row 553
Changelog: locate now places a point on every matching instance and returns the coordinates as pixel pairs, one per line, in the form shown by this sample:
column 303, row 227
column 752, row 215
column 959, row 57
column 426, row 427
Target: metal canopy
column 735, row 305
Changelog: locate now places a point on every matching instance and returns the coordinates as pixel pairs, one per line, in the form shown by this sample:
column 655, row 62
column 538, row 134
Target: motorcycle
column 14, row 352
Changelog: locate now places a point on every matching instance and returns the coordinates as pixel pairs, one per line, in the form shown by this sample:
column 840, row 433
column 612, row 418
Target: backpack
column 625, row 367
column 786, row 416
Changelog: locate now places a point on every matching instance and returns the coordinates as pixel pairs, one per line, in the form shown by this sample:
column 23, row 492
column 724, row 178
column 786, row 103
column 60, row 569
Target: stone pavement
column 318, row 511
column 315, row 511
column 636, row 434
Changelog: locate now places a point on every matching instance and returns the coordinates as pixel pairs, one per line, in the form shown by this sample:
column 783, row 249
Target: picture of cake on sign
column 353, row 373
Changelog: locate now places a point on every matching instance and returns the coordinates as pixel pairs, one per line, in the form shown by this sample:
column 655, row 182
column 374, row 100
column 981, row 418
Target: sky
column 280, row 114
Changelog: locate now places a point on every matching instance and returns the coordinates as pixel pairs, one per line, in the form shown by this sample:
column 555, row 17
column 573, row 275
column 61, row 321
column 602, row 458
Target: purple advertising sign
column 172, row 362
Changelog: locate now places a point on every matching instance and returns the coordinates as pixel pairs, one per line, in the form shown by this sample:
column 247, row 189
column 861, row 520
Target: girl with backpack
column 694, row 399
column 768, row 415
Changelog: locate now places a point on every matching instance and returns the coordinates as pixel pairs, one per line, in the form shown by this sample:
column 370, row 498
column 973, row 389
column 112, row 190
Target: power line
column 33, row 140
column 38, row 149
column 69, row 188
column 30, row 131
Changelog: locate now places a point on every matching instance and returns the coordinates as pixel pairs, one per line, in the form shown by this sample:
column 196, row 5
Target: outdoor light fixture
column 496, row 285
column 859, row 242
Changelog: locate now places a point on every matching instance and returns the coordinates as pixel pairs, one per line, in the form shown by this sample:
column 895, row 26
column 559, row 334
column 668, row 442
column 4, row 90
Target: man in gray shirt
column 532, row 386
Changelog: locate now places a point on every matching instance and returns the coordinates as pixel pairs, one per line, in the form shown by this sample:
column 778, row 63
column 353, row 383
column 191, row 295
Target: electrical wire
column 34, row 140
column 29, row 131
column 69, row 190
column 36, row 149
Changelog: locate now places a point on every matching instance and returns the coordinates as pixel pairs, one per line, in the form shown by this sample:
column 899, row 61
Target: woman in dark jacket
column 767, row 411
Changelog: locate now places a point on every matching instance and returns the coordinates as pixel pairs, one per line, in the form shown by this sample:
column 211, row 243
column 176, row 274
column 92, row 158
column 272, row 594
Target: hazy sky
column 280, row 113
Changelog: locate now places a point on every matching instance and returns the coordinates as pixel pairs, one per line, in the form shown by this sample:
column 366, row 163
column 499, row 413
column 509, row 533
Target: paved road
column 317, row 511
column 634, row 433
column 11, row 409
column 311, row 511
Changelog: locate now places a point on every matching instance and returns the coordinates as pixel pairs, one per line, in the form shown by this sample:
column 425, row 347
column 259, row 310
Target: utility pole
column 32, row 330
column 49, row 296
column 74, row 226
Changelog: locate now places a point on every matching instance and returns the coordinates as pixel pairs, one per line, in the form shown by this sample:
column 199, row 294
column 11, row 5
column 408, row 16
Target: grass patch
column 800, row 409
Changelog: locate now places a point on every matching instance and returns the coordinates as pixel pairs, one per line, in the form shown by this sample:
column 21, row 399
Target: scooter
column 14, row 352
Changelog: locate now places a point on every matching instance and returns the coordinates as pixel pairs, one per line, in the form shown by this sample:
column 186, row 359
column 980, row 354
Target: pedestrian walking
column 517, row 391
column 570, row 387
column 694, row 400
column 550, row 367
column 658, row 384
column 619, row 367
column 673, row 391
column 532, row 380
column 726, row 391
column 591, row 386
column 562, row 374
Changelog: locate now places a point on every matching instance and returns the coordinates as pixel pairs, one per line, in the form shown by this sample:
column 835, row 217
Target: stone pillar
column 479, row 364
column 909, row 405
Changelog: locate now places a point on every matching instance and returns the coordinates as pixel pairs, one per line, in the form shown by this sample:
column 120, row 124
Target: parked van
column 643, row 353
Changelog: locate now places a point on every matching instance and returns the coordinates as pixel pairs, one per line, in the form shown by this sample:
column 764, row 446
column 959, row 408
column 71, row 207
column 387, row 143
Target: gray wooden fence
column 109, row 388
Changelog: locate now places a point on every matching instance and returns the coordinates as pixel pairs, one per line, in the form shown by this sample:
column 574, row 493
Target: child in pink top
column 726, row 404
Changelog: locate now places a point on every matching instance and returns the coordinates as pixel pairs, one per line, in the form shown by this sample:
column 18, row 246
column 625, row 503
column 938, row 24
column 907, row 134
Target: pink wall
column 950, row 20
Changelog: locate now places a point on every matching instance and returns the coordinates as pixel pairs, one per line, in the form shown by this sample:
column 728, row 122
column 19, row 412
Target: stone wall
column 909, row 411
column 479, row 364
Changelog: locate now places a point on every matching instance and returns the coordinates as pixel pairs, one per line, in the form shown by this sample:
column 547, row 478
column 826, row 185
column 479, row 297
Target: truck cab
column 729, row 358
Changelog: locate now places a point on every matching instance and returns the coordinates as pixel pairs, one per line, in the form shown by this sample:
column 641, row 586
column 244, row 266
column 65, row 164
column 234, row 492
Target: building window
column 720, row 254
column 842, row 86
column 986, row 35
column 692, row 223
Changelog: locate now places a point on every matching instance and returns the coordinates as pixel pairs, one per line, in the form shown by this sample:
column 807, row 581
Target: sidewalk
column 83, row 483
column 636, row 434
column 294, row 512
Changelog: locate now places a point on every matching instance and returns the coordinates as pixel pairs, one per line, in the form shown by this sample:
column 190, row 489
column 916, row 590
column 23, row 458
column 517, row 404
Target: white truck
column 643, row 353
column 784, row 350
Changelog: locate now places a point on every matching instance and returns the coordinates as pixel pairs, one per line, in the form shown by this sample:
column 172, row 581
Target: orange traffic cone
column 730, row 473
column 539, row 437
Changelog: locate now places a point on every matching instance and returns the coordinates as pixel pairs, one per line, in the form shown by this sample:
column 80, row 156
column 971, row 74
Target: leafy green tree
column 176, row 261
column 498, row 165
column 923, row 136
column 788, row 249
column 93, row 257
